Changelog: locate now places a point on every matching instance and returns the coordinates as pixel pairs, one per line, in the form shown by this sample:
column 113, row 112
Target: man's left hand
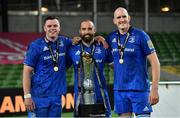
column 102, row 40
column 76, row 40
column 154, row 96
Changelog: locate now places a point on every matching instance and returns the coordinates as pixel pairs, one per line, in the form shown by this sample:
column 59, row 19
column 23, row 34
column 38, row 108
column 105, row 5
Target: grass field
column 70, row 114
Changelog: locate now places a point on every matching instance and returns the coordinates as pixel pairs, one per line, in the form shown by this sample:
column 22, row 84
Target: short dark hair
column 51, row 18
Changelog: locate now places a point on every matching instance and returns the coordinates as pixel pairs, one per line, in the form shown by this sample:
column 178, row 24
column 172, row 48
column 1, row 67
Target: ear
column 94, row 30
column 129, row 17
column 44, row 28
column 114, row 21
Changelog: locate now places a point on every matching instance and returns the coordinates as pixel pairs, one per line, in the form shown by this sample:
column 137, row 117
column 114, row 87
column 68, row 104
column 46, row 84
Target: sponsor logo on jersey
column 129, row 49
column 126, row 50
column 114, row 50
column 49, row 57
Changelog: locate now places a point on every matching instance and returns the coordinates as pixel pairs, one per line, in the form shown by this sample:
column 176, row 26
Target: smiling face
column 52, row 29
column 121, row 19
column 87, row 31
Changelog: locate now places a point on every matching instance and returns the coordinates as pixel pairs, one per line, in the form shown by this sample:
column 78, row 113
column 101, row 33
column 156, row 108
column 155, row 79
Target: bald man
column 131, row 48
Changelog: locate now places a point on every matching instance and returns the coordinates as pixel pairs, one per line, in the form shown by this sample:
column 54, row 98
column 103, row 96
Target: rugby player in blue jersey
column 131, row 48
column 44, row 73
column 100, row 56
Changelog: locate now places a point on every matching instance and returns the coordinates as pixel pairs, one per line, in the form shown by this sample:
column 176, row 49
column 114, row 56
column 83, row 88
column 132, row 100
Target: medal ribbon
column 54, row 57
column 121, row 48
column 92, row 50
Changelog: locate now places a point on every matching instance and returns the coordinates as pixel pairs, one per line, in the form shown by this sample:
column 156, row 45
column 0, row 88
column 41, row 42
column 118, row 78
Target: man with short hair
column 131, row 48
column 44, row 73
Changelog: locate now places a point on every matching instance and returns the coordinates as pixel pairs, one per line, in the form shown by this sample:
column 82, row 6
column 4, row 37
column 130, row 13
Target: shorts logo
column 146, row 108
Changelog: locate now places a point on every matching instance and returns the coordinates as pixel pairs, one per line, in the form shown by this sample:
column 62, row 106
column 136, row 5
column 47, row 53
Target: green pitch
column 70, row 114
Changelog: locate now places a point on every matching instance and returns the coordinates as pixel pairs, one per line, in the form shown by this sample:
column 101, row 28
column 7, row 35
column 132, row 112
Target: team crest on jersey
column 132, row 39
column 114, row 40
column 98, row 51
column 45, row 48
column 150, row 44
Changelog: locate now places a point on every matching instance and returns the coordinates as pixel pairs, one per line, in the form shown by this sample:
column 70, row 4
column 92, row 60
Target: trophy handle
column 99, row 81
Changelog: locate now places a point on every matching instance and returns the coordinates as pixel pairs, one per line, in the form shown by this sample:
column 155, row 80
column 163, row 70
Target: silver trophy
column 87, row 80
column 86, row 100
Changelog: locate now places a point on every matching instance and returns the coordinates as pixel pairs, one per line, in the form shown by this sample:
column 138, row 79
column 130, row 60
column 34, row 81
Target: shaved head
column 120, row 9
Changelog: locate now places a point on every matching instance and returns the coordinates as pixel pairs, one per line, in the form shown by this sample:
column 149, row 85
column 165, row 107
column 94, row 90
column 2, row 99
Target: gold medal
column 121, row 61
column 56, row 68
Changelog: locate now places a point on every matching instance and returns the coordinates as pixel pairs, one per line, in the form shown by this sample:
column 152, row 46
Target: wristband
column 27, row 95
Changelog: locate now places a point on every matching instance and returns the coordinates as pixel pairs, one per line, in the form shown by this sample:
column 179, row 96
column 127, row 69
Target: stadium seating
column 167, row 47
column 10, row 76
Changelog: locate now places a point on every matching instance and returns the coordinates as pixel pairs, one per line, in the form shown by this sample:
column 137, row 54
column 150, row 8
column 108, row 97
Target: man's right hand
column 76, row 40
column 29, row 104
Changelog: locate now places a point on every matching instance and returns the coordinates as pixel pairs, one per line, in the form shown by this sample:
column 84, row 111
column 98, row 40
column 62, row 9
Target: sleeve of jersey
column 69, row 57
column 146, row 44
column 68, row 42
column 32, row 55
column 109, row 57
column 108, row 39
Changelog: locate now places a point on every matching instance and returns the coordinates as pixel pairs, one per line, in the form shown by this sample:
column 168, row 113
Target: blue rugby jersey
column 45, row 81
column 132, row 73
column 101, row 57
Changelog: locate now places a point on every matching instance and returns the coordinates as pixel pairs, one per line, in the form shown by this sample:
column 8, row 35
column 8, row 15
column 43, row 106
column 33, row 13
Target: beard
column 87, row 37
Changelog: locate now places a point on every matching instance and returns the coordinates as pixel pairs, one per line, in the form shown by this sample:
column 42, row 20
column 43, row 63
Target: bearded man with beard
column 88, row 58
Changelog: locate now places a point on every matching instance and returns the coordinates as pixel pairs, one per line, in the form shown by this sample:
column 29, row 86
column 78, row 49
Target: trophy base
column 91, row 110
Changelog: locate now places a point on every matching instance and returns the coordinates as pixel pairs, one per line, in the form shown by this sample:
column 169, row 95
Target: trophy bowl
column 88, row 84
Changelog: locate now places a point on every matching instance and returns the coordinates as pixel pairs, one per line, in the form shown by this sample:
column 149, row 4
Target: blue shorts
column 131, row 101
column 47, row 107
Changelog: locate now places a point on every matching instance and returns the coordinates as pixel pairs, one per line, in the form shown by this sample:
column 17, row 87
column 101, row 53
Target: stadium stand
column 166, row 44
column 10, row 76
